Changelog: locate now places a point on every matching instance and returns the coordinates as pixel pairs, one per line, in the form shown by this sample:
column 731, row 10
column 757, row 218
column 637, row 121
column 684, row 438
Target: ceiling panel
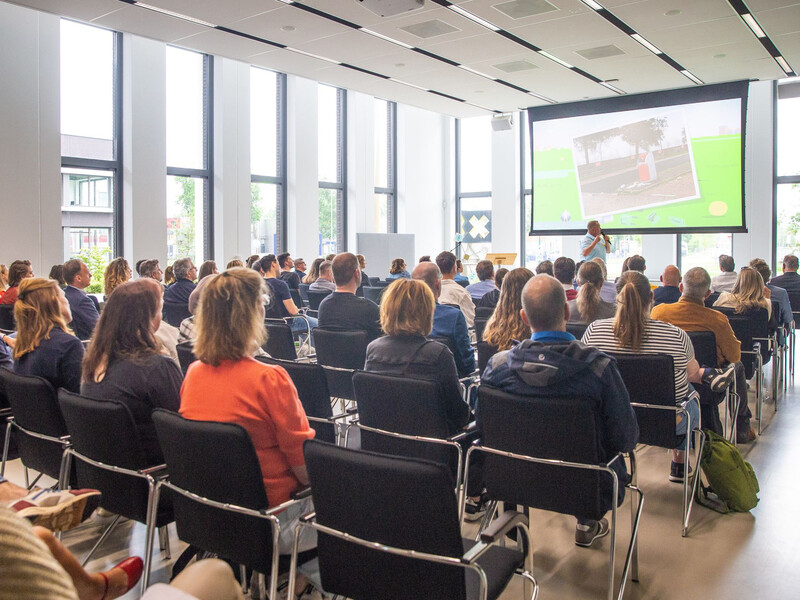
column 762, row 68
column 219, row 43
column 759, row 5
column 652, row 14
column 392, row 27
column 700, row 35
column 400, row 63
column 148, row 24
column 354, row 12
column 82, row 10
column 350, row 47
column 587, row 28
column 306, row 27
column 476, row 47
column 289, row 62
column 486, row 10
column 780, row 21
column 217, row 13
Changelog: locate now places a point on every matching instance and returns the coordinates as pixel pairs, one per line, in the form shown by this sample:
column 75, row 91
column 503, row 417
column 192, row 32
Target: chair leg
column 695, row 480
column 152, row 512
column 102, row 539
column 163, row 541
column 6, row 444
column 243, row 580
column 634, row 519
column 632, row 557
column 613, row 542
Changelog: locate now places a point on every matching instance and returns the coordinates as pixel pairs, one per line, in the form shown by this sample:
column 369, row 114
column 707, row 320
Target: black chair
column 303, row 290
column 485, row 353
column 105, row 443
column 794, row 301
column 480, row 327
column 446, row 341
column 175, row 312
column 42, row 437
column 7, row 317
column 544, row 453
column 483, row 312
column 462, row 283
column 297, row 298
column 650, row 381
column 709, row 302
column 218, row 497
column 186, row 355
column 383, row 284
column 374, row 293
column 705, row 351
column 364, row 554
column 577, row 329
column 341, row 353
column 280, row 341
column 314, row 299
column 373, row 281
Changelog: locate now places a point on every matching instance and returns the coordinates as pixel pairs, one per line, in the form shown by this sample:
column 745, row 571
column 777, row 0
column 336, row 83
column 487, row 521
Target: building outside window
column 385, row 166
column 787, row 167
column 332, row 153
column 473, row 189
column 703, row 250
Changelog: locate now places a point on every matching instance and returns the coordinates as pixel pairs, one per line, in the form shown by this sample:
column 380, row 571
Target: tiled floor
column 750, row 555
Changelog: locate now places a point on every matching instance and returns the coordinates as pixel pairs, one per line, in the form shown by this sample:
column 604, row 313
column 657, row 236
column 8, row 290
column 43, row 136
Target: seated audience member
column 545, row 267
column 45, row 346
column 690, row 314
column 117, row 272
column 235, row 262
column 125, row 361
column 3, row 278
column 325, row 282
column 281, row 305
column 343, row 310
column 552, row 364
column 362, row 264
column 632, row 331
column 564, row 271
column 781, row 296
column 748, row 295
column 185, row 274
column 425, row 258
column 253, row 258
column 330, row 257
column 448, row 321
column 485, row 272
column 636, row 263
column 313, row 272
column 490, row 300
column 208, row 267
column 19, row 270
column 227, row 385
column 7, row 351
column 288, row 276
column 589, row 306
column 670, row 291
column 609, row 290
column 725, row 281
column 398, row 270
column 300, row 268
column 169, row 276
column 151, row 269
column 187, row 332
column 506, row 326
column 138, row 267
column 790, row 280
column 460, row 278
column 57, row 275
column 85, row 309
column 452, row 292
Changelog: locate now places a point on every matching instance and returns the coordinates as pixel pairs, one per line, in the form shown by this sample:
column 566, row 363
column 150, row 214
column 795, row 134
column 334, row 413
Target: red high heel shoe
column 133, row 567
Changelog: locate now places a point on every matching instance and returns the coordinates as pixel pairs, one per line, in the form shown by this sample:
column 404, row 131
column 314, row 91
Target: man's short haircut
column 636, row 263
column 790, row 262
column 446, row 261
column 726, row 263
column 696, row 282
column 543, row 299
column 344, row 267
column 484, row 269
column 545, row 268
column 266, row 262
column 671, row 275
column 282, row 259
column 427, row 272
column 180, row 268
column 499, row 275
column 760, row 265
column 564, row 269
column 148, row 267
column 139, row 266
column 425, row 258
column 325, row 266
column 591, row 223
column 71, row 269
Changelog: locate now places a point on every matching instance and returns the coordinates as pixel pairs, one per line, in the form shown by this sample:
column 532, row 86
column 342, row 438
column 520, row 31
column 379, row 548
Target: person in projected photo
column 595, row 244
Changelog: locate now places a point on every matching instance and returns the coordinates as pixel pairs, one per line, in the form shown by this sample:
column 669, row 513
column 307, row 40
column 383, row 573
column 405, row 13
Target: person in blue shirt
column 460, row 278
column 670, row 291
column 595, row 244
column 485, row 272
column 398, row 270
column 85, row 308
column 448, row 321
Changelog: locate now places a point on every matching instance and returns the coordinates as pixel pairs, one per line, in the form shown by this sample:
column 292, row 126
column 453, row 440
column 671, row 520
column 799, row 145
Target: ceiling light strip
column 255, row 38
column 744, row 13
column 386, row 38
column 473, row 17
column 323, row 14
column 367, row 71
column 170, row 13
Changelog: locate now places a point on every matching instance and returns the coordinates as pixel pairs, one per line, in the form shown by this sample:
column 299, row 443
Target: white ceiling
column 705, row 36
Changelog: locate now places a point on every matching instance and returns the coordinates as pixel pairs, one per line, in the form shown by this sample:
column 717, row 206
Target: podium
column 501, row 258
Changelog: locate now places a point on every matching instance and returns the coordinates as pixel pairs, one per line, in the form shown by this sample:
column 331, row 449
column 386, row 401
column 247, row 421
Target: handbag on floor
column 732, row 484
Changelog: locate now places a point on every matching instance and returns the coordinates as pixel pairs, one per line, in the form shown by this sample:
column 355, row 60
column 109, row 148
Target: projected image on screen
column 637, row 165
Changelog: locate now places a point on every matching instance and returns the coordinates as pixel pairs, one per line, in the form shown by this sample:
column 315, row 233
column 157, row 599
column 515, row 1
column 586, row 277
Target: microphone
column 605, row 237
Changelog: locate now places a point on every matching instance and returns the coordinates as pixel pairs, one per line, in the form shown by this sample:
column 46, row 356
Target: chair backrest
column 185, row 355
column 34, row 405
column 402, row 405
column 374, row 293
column 303, row 289
column 577, row 329
column 196, row 464
column 480, row 326
column 445, row 341
column 709, row 302
column 794, row 300
column 373, row 281
column 548, row 428
column 315, row 297
column 296, row 298
column 280, row 342
column 383, row 284
column 312, row 388
column 7, row 317
column 382, row 491
column 483, row 312
column 746, row 328
column 650, row 379
column 175, row 312
column 344, row 350
column 705, row 351
column 485, row 353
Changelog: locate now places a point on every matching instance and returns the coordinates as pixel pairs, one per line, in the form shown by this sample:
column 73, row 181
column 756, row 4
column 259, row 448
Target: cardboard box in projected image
column 644, row 163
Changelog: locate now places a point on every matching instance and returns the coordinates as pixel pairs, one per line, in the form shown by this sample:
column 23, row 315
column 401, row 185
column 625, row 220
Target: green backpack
column 730, row 478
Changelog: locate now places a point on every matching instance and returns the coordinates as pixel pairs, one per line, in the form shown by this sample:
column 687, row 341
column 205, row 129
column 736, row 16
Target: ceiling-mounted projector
column 390, row 8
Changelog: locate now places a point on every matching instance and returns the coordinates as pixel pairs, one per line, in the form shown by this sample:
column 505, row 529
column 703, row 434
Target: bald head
column 696, row 284
column 544, row 304
column 671, row 276
column 429, row 273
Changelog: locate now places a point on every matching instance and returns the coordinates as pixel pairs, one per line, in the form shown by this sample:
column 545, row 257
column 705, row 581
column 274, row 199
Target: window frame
column 391, row 156
column 778, row 180
column 459, row 194
column 341, row 169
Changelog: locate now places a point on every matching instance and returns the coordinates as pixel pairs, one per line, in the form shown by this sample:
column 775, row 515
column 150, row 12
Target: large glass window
column 90, row 142
column 267, row 151
column 473, row 189
column 623, row 247
column 703, row 250
column 787, row 165
column 332, row 154
column 188, row 155
column 385, row 166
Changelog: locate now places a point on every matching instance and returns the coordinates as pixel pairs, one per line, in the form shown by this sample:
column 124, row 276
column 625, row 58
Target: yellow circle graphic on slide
column 718, row 208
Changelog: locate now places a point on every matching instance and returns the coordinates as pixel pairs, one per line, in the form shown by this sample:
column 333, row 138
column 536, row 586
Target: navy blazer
column 84, row 312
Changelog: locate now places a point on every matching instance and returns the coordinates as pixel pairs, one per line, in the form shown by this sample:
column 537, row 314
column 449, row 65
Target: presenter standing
column 595, row 244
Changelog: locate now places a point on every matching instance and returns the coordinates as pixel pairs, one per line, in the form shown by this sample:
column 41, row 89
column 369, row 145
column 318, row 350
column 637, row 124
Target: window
column 385, row 166
column 473, row 187
column 332, row 153
column 703, row 250
column 189, row 155
column 623, row 247
column 90, row 139
column 267, row 166
column 787, row 165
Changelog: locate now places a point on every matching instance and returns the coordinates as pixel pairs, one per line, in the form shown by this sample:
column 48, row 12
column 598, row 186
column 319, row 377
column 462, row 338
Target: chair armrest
column 468, row 430
column 304, row 492
column 499, row 527
column 153, row 470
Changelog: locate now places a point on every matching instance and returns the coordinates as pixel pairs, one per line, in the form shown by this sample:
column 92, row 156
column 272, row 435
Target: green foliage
column 255, row 203
column 184, row 238
column 645, row 134
column 97, row 260
column 328, row 203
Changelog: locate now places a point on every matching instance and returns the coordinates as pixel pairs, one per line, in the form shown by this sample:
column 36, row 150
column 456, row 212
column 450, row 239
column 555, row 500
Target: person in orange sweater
column 226, row 384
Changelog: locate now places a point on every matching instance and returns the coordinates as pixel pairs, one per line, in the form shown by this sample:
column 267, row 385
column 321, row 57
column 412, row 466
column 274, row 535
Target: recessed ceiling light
column 287, row 28
column 399, row 65
column 673, row 13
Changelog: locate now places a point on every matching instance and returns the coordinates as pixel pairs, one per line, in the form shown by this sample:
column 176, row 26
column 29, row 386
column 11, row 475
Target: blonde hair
column 748, row 291
column 236, row 262
column 313, row 272
column 634, row 297
column 506, row 324
column 37, row 311
column 3, row 277
column 117, row 272
column 407, row 308
column 590, row 278
column 230, row 316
